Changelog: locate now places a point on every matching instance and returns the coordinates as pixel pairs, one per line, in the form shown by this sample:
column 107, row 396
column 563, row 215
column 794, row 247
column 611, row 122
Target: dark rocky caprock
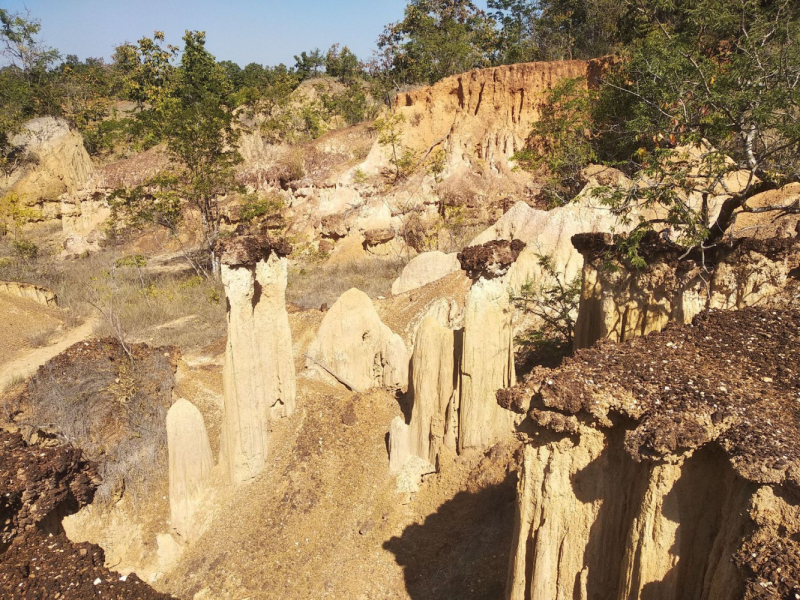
column 491, row 259
column 38, row 487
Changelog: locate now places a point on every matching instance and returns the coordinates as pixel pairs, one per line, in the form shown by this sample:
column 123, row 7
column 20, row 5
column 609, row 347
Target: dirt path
column 25, row 365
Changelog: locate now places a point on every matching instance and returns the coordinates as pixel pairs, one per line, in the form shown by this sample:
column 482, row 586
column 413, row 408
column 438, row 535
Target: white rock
column 487, row 365
column 190, row 464
column 424, row 269
column 433, row 382
column 355, row 347
column 258, row 376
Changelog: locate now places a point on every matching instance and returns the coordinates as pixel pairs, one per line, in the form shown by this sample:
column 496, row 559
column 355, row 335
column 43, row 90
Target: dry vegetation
column 160, row 308
column 94, row 397
column 313, row 285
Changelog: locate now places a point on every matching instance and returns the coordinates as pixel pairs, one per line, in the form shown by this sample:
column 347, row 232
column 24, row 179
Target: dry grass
column 93, row 397
column 312, row 285
column 39, row 337
column 167, row 310
column 142, row 303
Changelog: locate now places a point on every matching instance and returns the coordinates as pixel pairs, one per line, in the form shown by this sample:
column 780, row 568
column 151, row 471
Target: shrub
column 92, row 397
column 25, row 249
column 554, row 304
column 256, row 206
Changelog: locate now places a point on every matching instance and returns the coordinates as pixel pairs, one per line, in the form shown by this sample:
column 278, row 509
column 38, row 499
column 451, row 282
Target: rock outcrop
column 258, row 375
column 619, row 301
column 37, row 293
column 549, row 233
column 85, row 211
column 356, row 348
column 57, row 163
column 487, row 365
column 487, row 357
column 190, row 464
column 38, row 487
column 485, row 114
column 433, row 380
column 424, row 269
column 456, row 373
column 660, row 468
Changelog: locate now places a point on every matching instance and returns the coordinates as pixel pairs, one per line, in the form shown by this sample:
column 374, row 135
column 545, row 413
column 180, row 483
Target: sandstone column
column 190, row 463
column 433, row 366
column 398, row 444
column 487, row 358
column 258, row 376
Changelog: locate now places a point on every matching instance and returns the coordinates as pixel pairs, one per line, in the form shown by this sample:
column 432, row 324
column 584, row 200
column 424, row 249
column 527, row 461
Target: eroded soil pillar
column 258, row 375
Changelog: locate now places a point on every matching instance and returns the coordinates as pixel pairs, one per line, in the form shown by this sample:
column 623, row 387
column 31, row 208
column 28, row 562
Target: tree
column 19, row 36
column 556, row 29
column 722, row 79
column 560, row 141
column 436, row 38
column 703, row 103
column 309, row 64
column 195, row 118
column 147, row 70
column 554, row 304
column 234, row 73
column 85, row 90
column 25, row 89
column 342, row 63
column 390, row 135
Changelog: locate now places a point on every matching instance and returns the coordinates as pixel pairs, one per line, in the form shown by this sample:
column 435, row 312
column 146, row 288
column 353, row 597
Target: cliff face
column 619, row 302
column 666, row 467
column 485, row 114
column 57, row 164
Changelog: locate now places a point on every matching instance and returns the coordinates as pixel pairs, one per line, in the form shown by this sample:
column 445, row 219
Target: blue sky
column 268, row 31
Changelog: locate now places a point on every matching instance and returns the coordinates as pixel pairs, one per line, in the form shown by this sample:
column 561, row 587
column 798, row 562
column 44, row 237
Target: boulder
column 190, row 464
column 333, row 226
column 76, row 245
column 433, row 382
column 374, row 237
column 424, row 269
column 258, row 375
column 356, row 348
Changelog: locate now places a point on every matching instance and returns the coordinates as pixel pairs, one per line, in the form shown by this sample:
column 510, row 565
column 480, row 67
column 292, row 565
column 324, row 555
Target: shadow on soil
column 462, row 550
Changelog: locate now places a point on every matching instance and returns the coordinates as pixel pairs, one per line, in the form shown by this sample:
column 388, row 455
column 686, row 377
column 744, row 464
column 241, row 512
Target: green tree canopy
column 195, row 116
column 436, row 38
column 704, row 102
column 556, row 29
column 309, row 64
column 26, row 88
column 342, row 63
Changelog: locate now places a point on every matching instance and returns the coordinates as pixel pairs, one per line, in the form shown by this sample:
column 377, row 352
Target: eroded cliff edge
column 664, row 467
column 38, row 487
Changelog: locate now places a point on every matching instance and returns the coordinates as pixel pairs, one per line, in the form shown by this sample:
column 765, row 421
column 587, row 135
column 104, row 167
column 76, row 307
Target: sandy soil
column 21, row 318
